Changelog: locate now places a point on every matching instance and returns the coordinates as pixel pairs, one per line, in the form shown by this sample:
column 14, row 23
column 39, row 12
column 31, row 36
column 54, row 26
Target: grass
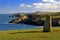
column 30, row 34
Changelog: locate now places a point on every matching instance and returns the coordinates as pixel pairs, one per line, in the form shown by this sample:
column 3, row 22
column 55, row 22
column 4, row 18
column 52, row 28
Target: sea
column 5, row 25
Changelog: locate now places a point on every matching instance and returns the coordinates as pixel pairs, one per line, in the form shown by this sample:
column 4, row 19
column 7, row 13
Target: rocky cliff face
column 19, row 18
column 32, row 19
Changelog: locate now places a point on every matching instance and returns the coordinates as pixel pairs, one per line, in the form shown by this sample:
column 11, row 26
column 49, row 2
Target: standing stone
column 47, row 24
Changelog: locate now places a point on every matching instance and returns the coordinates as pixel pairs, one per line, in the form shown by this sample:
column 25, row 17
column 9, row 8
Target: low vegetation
column 31, row 34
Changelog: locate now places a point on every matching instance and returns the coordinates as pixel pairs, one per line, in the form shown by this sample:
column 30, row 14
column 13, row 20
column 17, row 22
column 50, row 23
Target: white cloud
column 49, row 5
column 22, row 5
column 29, row 6
column 37, row 5
column 48, row 0
column 45, row 5
column 25, row 5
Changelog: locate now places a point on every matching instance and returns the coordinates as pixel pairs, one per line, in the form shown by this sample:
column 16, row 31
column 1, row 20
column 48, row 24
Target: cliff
column 32, row 19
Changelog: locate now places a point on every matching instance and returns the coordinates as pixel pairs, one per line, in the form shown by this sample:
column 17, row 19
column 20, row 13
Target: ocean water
column 4, row 18
column 4, row 25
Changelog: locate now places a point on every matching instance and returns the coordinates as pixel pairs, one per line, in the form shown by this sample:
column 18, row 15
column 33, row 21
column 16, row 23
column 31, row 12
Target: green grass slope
column 30, row 34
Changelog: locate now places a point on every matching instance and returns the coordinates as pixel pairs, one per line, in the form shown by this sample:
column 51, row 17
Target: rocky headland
column 37, row 19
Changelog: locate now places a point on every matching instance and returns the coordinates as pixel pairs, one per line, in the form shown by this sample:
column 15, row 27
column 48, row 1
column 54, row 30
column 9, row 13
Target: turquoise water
column 4, row 25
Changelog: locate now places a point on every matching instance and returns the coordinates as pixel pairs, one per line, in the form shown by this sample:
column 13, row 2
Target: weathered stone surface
column 47, row 24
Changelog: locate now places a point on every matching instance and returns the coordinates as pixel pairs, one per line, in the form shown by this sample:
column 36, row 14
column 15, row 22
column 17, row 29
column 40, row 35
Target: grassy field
column 31, row 34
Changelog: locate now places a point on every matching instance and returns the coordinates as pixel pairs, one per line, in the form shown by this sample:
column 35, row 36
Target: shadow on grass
column 27, row 32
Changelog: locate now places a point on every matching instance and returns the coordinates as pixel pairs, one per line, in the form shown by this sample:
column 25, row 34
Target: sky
column 17, row 6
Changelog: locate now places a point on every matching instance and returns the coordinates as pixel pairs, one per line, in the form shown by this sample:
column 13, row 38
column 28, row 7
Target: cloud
column 37, row 5
column 25, row 6
column 29, row 6
column 48, row 0
column 42, row 5
column 46, row 6
column 22, row 5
